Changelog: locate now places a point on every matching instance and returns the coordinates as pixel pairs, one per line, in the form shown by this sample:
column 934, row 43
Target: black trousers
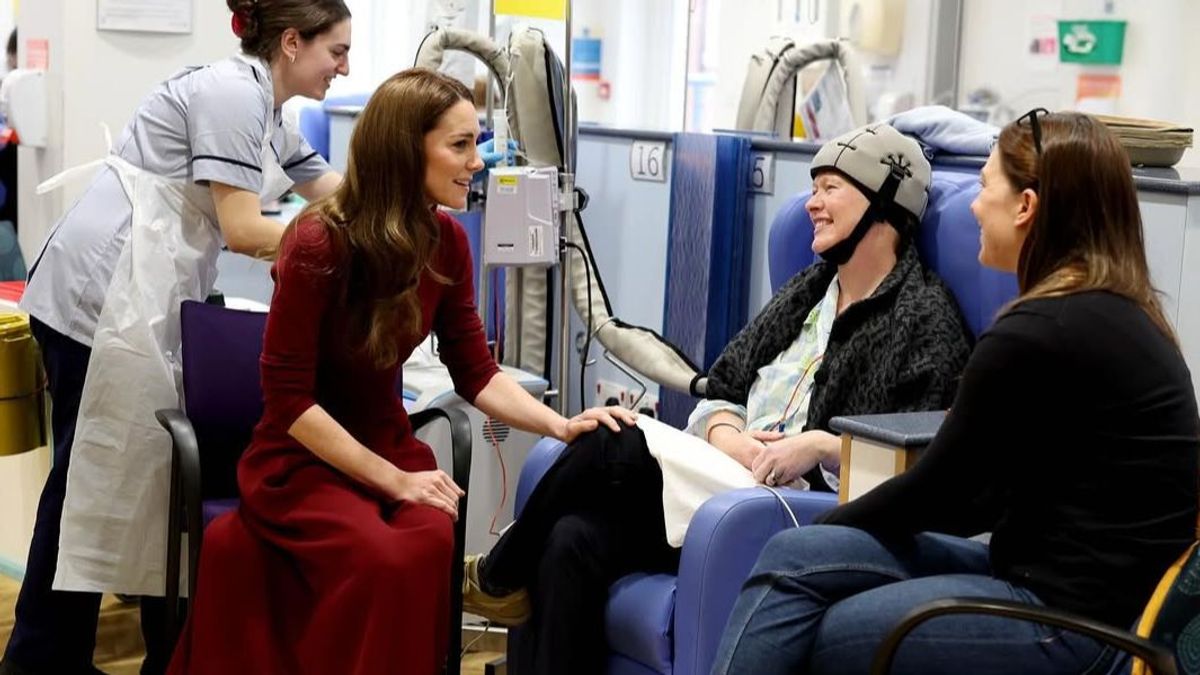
column 595, row 516
column 55, row 631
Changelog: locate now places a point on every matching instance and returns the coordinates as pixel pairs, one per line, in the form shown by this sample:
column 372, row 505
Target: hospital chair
column 314, row 120
column 672, row 624
column 1165, row 639
column 224, row 401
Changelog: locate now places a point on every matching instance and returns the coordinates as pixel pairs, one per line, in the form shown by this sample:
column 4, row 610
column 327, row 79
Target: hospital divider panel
column 708, row 259
column 626, row 225
column 1188, row 301
column 313, row 120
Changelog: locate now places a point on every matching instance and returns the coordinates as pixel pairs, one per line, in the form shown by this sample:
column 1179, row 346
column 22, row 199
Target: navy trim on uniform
column 228, row 161
column 301, row 161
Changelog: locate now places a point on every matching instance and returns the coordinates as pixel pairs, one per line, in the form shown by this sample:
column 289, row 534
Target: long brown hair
column 379, row 217
column 1087, row 232
column 262, row 22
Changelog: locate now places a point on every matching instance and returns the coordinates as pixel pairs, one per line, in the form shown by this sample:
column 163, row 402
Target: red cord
column 491, row 430
column 778, row 424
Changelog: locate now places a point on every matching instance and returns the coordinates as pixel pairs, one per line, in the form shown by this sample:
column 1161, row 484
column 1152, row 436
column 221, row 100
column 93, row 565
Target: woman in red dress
column 338, row 558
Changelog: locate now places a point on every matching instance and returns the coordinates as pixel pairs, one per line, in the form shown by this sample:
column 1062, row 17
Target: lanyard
column 778, row 426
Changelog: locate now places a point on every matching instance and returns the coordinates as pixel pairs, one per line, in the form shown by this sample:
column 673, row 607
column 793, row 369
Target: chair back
column 1172, row 617
column 947, row 241
column 221, row 387
column 314, row 120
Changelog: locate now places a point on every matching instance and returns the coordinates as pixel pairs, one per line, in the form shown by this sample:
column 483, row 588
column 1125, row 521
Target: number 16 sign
column 648, row 161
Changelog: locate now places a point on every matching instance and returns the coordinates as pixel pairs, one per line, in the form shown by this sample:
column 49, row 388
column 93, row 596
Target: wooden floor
column 119, row 648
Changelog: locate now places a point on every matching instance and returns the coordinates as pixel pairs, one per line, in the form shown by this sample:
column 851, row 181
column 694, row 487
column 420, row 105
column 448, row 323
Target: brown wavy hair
column 264, row 21
column 382, row 224
column 1087, row 232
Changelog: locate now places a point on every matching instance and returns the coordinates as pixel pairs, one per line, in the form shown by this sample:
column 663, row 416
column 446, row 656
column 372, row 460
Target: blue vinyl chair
column 671, row 624
column 314, row 120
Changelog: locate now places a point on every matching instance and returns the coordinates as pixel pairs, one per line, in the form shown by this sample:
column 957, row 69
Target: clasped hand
column 783, row 461
column 432, row 488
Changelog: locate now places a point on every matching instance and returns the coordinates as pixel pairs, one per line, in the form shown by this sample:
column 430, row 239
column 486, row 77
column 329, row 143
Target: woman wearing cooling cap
column 868, row 330
column 188, row 175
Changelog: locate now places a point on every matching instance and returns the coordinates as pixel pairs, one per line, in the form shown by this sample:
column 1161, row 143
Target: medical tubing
column 618, row 350
column 786, row 506
column 487, row 626
column 587, row 340
column 548, row 351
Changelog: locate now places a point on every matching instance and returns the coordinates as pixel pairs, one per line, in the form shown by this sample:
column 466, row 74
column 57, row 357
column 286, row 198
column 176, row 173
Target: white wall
column 741, row 28
column 97, row 76
column 1158, row 76
column 642, row 58
column 1190, row 88
column 40, row 20
column 8, row 19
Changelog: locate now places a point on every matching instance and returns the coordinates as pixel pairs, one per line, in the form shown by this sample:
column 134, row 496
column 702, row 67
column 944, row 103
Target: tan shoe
column 508, row 610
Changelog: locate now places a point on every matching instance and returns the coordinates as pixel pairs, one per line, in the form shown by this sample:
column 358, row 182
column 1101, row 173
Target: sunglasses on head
column 1035, row 127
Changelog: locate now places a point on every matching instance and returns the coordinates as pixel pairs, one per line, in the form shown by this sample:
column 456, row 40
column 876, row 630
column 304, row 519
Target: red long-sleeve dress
column 315, row 573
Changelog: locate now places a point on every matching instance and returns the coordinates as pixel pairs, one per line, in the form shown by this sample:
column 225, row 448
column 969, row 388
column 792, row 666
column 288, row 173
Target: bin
column 22, row 387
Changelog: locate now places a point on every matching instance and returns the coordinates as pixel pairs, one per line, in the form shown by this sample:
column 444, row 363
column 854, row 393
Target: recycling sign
column 1091, row 42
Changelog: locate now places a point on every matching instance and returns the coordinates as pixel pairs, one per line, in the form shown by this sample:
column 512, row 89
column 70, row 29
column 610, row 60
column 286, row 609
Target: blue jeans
column 822, row 598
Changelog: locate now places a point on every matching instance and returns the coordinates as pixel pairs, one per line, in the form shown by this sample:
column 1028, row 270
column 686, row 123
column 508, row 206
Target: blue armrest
column 722, row 543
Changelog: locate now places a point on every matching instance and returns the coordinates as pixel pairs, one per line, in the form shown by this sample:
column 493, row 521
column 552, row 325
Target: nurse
column 189, row 174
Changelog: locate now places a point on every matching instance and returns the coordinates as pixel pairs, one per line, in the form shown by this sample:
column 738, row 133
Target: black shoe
column 7, row 667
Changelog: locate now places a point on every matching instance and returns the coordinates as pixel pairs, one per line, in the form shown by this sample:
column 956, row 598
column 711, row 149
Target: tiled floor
column 119, row 648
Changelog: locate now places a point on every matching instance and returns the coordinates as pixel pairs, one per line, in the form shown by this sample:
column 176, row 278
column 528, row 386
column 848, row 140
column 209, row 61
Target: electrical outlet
column 611, row 393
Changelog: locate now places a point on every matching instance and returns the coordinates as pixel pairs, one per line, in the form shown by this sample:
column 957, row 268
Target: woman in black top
column 1073, row 438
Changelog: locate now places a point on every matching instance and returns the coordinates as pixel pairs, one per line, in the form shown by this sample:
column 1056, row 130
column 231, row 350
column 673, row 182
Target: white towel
column 693, row 471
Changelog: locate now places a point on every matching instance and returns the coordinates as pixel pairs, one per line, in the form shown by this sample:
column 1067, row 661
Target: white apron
column 114, row 522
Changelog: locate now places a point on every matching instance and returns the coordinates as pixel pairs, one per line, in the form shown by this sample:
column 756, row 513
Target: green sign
column 1093, row 42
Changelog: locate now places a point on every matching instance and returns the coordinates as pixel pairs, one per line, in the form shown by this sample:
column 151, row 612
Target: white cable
column 487, row 626
column 787, row 507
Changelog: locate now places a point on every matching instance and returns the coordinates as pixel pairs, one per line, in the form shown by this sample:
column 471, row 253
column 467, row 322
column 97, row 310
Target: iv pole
column 567, row 203
column 567, row 184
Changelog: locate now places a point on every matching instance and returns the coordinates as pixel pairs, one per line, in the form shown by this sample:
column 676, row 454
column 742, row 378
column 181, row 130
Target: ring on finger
column 771, row 477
